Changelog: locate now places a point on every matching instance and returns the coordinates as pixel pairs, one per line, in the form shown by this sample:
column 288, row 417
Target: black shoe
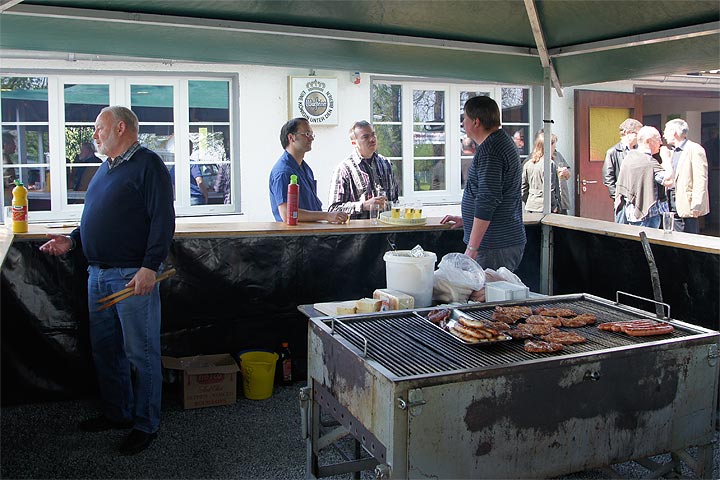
column 136, row 442
column 101, row 424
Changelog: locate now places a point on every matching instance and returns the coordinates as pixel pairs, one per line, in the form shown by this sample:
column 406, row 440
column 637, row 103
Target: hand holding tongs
column 129, row 292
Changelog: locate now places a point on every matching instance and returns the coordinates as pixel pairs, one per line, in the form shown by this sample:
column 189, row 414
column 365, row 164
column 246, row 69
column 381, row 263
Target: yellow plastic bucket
column 258, row 371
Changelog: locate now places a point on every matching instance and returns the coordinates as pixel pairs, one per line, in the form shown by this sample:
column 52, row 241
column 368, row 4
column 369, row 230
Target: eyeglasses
column 307, row 134
column 368, row 136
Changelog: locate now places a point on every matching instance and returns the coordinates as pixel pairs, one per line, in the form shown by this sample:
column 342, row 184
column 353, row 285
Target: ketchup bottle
column 292, row 201
column 19, row 208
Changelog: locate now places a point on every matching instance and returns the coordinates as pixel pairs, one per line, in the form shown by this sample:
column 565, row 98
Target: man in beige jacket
column 688, row 187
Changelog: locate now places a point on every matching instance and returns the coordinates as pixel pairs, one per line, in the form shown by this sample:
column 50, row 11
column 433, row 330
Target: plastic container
column 292, row 201
column 258, row 371
column 19, row 208
column 411, row 275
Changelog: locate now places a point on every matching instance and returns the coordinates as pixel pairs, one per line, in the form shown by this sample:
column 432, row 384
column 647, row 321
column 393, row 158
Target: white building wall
column 263, row 108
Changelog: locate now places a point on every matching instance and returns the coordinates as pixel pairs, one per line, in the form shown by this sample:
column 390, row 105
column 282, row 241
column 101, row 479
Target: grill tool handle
column 362, row 338
column 617, row 301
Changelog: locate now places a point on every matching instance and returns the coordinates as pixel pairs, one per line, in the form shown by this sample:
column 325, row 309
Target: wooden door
column 597, row 118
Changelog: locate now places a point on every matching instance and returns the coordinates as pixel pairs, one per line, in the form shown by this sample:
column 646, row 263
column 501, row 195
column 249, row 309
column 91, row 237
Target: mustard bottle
column 19, row 208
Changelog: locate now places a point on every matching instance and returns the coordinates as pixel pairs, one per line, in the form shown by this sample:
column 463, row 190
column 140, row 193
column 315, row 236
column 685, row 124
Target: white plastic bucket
column 411, row 275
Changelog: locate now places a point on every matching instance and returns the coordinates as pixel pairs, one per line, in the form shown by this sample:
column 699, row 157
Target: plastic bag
column 456, row 278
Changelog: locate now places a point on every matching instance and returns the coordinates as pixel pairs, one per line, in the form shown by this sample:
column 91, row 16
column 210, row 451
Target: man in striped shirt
column 491, row 204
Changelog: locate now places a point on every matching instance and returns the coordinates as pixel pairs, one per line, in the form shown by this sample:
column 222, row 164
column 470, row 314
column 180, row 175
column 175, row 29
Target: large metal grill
column 425, row 405
column 406, row 344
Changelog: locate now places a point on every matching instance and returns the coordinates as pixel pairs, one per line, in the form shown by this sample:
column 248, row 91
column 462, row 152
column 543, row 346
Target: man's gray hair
column 646, row 133
column 358, row 124
column 630, row 125
column 678, row 125
column 123, row 114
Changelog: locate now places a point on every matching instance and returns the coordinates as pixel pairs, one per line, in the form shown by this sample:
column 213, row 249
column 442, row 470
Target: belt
column 103, row 266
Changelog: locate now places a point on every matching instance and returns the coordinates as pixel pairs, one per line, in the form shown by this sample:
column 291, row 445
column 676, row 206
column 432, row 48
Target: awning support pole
column 546, row 273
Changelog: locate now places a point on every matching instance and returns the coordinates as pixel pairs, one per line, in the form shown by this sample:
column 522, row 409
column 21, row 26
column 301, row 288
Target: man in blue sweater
column 125, row 232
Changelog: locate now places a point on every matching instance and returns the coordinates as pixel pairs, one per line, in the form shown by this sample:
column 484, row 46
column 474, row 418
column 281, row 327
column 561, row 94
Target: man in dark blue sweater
column 125, row 232
column 491, row 204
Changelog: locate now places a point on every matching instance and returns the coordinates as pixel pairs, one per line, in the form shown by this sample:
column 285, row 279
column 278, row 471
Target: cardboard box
column 207, row 380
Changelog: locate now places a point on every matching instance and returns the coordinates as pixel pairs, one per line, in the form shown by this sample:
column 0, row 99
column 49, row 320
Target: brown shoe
column 101, row 424
column 136, row 442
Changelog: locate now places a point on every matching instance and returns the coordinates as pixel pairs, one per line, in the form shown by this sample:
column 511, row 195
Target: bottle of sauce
column 292, row 201
column 19, row 208
column 285, row 364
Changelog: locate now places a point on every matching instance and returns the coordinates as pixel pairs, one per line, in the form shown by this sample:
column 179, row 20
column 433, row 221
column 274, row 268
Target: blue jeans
column 650, row 222
column 125, row 341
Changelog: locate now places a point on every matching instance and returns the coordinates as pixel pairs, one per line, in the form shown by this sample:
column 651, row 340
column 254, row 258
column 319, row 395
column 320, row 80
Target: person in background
column 533, row 178
column 639, row 182
column 563, row 173
column 296, row 138
column 83, row 175
column 125, row 232
column 468, row 149
column 222, row 182
column 688, row 185
column 9, row 157
column 614, row 156
column 365, row 177
column 519, row 139
column 198, row 186
column 491, row 203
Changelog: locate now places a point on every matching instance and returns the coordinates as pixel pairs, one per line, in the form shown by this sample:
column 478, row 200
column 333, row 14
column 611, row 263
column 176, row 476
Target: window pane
column 24, row 99
column 209, row 101
column 84, row 102
column 387, row 103
column 81, row 162
column 210, row 154
column 515, row 105
column 25, row 158
column 152, row 103
column 429, row 154
column 429, row 106
column 389, row 140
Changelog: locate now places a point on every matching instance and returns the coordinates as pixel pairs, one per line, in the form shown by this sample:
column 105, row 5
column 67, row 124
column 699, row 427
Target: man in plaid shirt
column 364, row 178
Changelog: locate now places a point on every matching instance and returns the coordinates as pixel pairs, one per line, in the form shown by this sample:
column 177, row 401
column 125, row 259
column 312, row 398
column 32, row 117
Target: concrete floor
column 247, row 440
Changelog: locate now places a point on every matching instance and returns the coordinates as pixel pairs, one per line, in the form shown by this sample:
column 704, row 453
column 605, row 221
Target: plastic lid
column 18, row 182
column 293, row 179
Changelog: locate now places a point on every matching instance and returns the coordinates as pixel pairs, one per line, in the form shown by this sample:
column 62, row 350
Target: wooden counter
column 688, row 241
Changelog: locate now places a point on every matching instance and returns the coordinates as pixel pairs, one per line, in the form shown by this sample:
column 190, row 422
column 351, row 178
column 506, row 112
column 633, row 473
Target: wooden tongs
column 129, row 291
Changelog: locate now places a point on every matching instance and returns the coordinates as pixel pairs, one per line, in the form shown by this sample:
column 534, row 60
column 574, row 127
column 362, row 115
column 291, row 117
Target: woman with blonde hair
column 533, row 177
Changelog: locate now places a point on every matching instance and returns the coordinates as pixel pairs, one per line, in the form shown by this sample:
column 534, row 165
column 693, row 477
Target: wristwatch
column 472, row 249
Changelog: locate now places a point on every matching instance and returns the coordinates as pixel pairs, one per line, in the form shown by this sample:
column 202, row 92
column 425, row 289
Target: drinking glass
column 375, row 210
column 668, row 220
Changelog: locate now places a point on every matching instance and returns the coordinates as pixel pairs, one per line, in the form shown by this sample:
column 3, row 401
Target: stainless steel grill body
column 427, row 406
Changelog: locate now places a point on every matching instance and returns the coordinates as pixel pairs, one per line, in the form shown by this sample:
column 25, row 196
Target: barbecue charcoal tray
column 455, row 314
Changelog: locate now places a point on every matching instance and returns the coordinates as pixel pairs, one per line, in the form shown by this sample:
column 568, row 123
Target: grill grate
column 409, row 345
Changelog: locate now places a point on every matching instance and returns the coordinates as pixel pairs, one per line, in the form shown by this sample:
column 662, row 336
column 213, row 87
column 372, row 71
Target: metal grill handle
column 362, row 338
column 617, row 301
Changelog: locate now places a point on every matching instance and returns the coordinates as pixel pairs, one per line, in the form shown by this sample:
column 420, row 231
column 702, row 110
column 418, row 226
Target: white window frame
column 453, row 162
column 119, row 90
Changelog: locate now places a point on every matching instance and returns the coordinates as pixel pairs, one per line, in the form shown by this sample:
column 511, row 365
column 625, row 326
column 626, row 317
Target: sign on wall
column 314, row 98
